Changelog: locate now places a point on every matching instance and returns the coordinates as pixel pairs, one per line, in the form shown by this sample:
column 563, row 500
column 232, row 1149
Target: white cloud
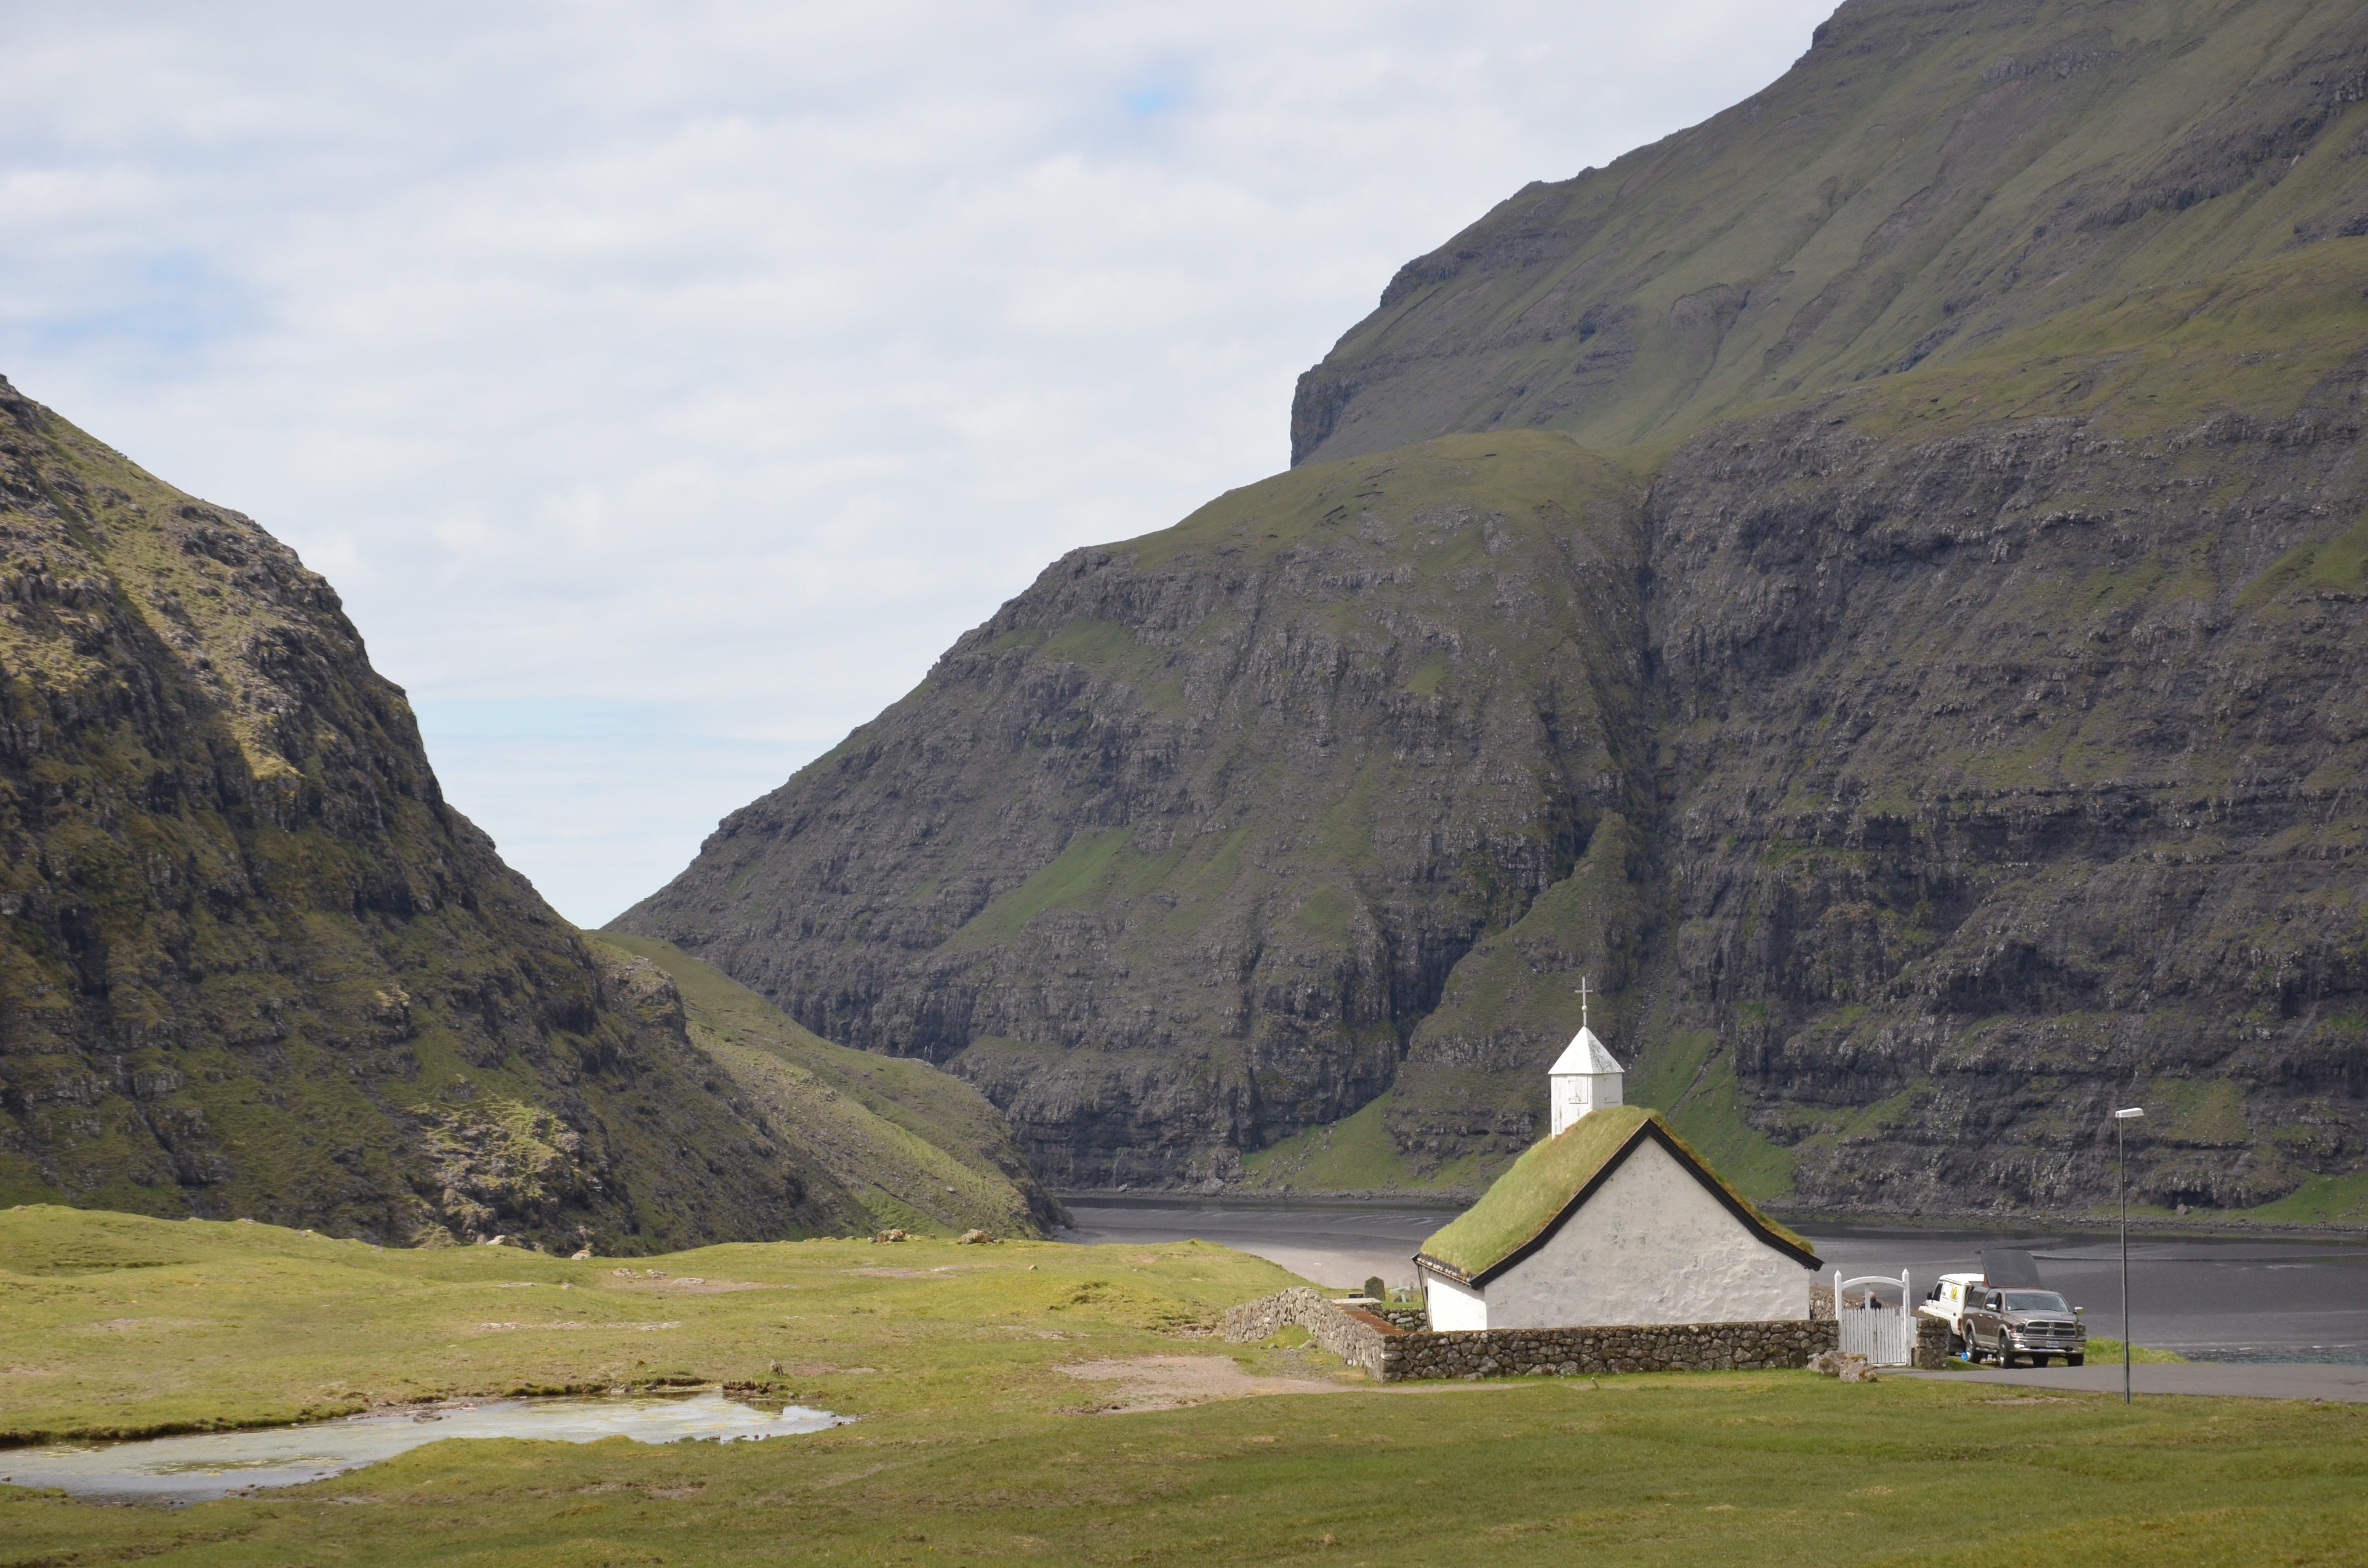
column 686, row 377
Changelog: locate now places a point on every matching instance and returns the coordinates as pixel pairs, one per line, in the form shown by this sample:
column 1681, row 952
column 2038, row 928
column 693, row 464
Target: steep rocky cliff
column 2017, row 760
column 1921, row 754
column 1170, row 854
column 252, row 964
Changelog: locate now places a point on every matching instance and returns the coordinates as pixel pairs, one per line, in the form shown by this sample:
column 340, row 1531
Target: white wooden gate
column 1884, row 1336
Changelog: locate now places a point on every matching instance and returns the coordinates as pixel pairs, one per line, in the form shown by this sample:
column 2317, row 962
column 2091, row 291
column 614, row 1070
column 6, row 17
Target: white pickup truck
column 2007, row 1322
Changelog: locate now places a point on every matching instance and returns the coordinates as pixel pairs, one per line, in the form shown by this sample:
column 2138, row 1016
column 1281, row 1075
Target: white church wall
column 1453, row 1307
column 1569, row 1101
column 1651, row 1246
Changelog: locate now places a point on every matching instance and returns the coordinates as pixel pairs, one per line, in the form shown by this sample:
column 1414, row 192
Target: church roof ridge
column 1556, row 1177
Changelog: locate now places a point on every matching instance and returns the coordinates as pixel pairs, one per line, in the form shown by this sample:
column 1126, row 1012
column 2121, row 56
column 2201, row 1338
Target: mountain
column 253, row 965
column 1875, row 582
column 1167, row 856
column 1932, row 176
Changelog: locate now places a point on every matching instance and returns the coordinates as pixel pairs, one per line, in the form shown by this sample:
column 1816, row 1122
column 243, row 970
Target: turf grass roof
column 1556, row 1176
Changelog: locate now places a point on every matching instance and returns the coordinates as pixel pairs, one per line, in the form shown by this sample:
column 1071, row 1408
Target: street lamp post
column 2120, row 1180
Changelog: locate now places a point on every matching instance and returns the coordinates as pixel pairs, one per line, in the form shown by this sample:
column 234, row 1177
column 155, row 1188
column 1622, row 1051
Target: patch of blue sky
column 1150, row 110
column 1154, row 97
column 597, row 822
column 166, row 304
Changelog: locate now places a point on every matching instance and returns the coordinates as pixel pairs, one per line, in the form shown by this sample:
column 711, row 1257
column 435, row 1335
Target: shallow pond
column 215, row 1464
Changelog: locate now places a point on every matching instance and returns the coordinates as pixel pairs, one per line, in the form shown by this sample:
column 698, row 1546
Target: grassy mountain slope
column 2008, row 715
column 1931, row 175
column 251, row 964
column 1920, row 759
column 905, row 1144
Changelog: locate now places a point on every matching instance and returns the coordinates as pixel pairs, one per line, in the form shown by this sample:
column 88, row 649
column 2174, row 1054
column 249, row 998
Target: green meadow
column 973, row 1444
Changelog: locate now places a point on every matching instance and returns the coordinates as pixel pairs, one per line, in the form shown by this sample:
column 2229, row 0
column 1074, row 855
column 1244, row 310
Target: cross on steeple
column 1585, row 1077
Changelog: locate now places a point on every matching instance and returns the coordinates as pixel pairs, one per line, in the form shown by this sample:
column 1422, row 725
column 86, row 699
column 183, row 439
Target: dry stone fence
column 1566, row 1352
column 1390, row 1352
column 1350, row 1333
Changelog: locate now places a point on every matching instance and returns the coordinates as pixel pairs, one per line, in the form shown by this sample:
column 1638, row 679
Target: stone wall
column 1391, row 1353
column 1354, row 1336
column 1566, row 1352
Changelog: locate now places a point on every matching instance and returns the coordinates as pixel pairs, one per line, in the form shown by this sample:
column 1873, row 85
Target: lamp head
column 2135, row 1110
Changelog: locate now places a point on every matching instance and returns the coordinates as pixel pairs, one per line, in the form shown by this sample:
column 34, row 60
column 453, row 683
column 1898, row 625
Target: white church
column 1611, row 1220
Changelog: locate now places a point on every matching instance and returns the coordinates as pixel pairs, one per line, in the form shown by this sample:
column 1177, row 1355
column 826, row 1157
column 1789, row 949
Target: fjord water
column 2282, row 1298
column 213, row 1464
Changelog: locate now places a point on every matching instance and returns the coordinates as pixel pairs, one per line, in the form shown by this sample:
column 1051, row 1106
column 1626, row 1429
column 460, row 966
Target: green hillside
column 252, row 964
column 1169, row 810
column 906, row 1145
column 1928, row 178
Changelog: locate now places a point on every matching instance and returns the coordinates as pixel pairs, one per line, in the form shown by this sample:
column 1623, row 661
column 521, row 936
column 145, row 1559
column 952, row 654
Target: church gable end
column 1518, row 1216
column 1655, row 1131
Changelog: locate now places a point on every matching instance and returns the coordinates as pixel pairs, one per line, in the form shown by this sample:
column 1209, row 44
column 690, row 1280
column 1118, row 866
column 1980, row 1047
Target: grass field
column 973, row 1445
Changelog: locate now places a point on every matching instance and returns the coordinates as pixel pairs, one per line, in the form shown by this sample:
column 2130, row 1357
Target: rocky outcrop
column 251, row 964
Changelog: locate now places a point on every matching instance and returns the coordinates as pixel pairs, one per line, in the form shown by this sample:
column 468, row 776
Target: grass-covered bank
column 904, row 1144
column 972, row 1446
column 2102, row 1350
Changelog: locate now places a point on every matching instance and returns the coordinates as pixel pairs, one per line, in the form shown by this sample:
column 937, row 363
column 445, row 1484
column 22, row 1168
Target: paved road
column 2225, row 1301
column 2253, row 1379
column 2268, row 1301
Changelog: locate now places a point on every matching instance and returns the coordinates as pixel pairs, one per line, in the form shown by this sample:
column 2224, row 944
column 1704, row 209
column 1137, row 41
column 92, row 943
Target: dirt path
column 1171, row 1382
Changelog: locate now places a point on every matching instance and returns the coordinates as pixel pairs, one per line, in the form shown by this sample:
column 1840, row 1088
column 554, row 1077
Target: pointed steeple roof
column 1585, row 1053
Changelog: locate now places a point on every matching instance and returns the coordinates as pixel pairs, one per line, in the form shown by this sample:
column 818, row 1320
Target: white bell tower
column 1584, row 1077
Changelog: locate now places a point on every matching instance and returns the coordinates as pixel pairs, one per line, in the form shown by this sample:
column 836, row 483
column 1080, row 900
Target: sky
column 664, row 387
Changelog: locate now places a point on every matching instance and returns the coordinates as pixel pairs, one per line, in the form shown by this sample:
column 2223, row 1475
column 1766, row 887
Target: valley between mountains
column 1876, row 584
